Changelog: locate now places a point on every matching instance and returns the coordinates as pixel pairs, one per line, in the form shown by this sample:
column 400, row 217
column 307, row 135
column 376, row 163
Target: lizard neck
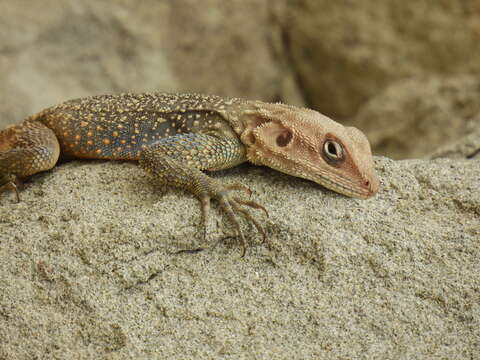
column 244, row 118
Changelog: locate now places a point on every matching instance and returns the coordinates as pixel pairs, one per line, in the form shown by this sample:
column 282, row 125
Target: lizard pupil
column 333, row 150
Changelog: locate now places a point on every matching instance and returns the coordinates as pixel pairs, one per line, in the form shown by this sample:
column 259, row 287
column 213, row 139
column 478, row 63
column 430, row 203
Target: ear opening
column 284, row 138
column 273, row 134
column 253, row 120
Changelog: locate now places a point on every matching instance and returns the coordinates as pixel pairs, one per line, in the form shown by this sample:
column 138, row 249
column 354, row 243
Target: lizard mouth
column 365, row 190
column 361, row 188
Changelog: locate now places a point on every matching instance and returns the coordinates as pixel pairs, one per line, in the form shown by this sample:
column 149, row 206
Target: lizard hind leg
column 25, row 149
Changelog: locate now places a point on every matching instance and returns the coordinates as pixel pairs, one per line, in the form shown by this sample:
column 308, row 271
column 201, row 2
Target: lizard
column 176, row 137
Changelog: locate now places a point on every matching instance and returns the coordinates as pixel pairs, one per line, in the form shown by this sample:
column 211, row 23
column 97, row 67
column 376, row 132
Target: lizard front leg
column 177, row 161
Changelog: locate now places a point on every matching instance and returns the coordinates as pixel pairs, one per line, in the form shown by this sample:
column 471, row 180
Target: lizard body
column 176, row 136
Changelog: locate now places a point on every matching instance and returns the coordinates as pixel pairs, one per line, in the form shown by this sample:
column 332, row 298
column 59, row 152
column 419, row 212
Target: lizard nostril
column 367, row 183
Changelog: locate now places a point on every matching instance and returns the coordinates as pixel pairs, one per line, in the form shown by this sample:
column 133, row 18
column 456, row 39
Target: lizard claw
column 252, row 204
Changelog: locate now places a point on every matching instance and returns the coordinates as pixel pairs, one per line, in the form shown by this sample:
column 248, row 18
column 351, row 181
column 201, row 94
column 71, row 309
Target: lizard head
column 307, row 144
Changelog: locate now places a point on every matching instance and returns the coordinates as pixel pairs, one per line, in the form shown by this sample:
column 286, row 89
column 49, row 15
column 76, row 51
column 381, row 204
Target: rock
column 413, row 118
column 88, row 265
column 467, row 147
column 346, row 52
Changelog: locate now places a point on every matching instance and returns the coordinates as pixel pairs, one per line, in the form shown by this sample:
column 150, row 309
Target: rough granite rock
column 413, row 118
column 89, row 269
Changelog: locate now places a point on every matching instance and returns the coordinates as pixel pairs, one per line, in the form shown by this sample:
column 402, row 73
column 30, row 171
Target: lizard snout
column 371, row 184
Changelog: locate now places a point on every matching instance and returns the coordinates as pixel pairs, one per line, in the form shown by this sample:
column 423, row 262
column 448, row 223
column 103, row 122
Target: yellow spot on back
column 89, row 142
column 106, row 141
column 98, row 151
column 90, row 133
column 83, row 123
column 77, row 137
column 115, row 133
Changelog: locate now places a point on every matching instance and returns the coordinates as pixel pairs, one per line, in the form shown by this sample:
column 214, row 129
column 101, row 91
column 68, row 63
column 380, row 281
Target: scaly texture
column 175, row 136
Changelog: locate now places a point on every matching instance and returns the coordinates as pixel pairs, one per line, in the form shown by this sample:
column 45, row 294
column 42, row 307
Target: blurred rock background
column 406, row 72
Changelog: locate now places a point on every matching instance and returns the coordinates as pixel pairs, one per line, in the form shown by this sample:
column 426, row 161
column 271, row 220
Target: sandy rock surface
column 89, row 269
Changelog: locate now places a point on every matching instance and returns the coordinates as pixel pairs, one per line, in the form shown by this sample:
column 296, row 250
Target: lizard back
column 120, row 126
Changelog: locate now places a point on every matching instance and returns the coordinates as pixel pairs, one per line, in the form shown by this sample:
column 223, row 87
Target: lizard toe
column 228, row 206
column 233, row 206
column 9, row 183
column 248, row 216
column 240, row 187
column 252, row 204
column 205, row 204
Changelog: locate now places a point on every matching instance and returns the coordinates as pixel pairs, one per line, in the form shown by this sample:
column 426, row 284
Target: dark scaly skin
column 174, row 137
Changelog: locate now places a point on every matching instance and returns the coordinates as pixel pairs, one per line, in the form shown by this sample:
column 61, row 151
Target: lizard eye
column 284, row 138
column 333, row 150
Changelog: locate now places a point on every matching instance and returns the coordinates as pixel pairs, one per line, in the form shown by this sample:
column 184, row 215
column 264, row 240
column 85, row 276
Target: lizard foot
column 232, row 205
column 8, row 183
